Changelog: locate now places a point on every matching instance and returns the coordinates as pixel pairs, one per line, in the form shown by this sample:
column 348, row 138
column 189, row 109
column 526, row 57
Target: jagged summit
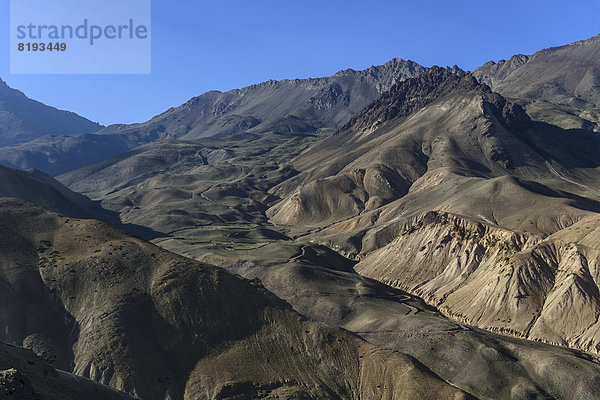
column 410, row 95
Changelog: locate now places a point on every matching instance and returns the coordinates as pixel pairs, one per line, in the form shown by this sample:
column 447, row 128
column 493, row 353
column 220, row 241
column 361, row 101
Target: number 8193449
column 42, row 46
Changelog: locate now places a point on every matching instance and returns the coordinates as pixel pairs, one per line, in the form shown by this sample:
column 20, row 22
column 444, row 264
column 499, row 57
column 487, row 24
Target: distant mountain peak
column 393, row 63
column 558, row 85
column 23, row 119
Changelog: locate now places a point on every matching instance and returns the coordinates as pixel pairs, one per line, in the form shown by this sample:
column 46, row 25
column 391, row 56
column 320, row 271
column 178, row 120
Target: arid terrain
column 400, row 232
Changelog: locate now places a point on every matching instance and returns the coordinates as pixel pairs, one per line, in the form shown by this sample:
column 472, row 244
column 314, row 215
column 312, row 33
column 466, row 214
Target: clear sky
column 200, row 45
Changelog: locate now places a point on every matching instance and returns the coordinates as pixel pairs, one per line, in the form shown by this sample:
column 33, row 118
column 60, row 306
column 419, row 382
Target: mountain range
column 400, row 232
column 305, row 105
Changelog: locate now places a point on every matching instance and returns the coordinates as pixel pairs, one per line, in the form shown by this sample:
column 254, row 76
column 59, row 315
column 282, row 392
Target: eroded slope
column 501, row 280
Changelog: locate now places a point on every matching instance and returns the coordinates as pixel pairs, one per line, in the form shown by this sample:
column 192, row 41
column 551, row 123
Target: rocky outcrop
column 411, row 95
column 438, row 121
column 45, row 191
column 500, row 280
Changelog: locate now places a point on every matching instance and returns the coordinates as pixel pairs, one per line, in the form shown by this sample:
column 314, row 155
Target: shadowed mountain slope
column 321, row 284
column 25, row 376
column 23, row 119
column 559, row 85
column 41, row 189
column 57, row 154
column 160, row 326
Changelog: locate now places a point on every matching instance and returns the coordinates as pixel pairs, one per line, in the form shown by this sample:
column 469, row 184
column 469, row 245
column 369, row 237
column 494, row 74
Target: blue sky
column 199, row 45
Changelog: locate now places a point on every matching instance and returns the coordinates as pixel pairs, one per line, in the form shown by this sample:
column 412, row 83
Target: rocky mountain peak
column 411, row 95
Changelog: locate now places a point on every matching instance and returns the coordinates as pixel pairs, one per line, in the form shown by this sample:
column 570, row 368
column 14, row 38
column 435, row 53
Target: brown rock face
column 534, row 288
column 411, row 95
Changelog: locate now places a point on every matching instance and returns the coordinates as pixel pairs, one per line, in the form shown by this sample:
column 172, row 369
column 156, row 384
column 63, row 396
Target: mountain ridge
column 406, row 252
column 320, row 103
column 330, row 90
column 23, row 119
column 558, row 85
